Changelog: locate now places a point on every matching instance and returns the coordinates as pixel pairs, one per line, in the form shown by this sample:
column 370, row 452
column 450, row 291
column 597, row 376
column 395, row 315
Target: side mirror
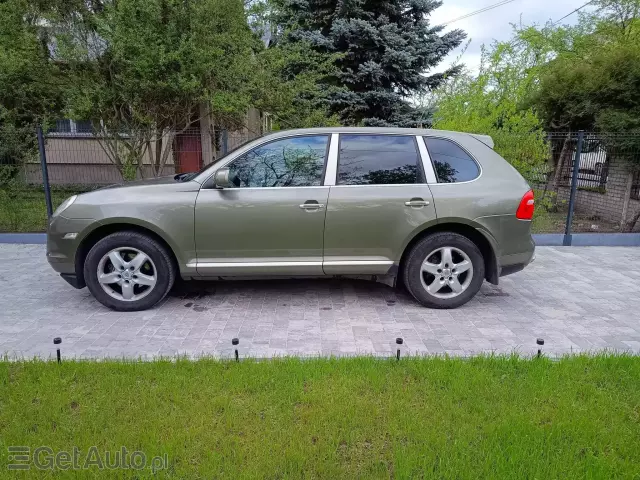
column 224, row 178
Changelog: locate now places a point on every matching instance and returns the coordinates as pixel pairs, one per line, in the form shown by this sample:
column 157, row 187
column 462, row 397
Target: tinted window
column 452, row 163
column 377, row 160
column 290, row 162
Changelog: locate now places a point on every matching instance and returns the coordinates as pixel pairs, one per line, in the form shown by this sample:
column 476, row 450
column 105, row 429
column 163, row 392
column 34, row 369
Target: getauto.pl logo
column 46, row 458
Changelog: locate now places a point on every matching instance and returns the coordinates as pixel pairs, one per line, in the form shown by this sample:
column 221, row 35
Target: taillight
column 525, row 209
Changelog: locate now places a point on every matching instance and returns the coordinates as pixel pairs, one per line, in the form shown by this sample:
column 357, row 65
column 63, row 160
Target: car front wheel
column 444, row 270
column 129, row 271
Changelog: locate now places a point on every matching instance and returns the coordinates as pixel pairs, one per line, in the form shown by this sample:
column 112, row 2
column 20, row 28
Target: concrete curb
column 541, row 239
column 26, row 238
column 589, row 239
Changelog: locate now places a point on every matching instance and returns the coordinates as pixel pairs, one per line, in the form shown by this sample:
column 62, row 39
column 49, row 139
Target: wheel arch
column 478, row 235
column 104, row 229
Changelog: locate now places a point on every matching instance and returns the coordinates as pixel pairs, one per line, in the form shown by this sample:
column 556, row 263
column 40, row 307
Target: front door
column 380, row 199
column 273, row 222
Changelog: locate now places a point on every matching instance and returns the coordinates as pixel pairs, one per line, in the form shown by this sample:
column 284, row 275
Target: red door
column 188, row 152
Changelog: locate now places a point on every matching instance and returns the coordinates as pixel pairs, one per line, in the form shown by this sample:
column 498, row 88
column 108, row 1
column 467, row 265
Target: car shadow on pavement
column 304, row 290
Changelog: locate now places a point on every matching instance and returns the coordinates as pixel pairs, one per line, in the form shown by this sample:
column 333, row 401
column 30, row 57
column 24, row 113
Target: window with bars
column 69, row 127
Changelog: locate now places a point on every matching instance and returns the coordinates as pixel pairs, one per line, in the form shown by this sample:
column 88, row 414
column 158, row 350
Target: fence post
column 574, row 185
column 627, row 200
column 225, row 141
column 45, row 173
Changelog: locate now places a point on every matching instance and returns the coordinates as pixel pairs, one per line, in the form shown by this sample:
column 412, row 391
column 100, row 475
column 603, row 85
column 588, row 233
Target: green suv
column 439, row 211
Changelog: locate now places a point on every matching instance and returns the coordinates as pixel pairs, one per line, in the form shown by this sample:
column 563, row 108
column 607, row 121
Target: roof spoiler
column 486, row 139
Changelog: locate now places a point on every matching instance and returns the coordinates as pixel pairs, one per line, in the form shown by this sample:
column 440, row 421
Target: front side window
column 451, row 163
column 378, row 160
column 290, row 162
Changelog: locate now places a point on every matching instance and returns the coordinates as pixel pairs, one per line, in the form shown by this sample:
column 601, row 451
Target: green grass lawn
column 554, row 222
column 25, row 210
column 363, row 418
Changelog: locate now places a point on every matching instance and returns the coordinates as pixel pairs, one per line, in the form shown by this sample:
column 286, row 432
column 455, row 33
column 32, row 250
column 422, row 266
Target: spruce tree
column 386, row 47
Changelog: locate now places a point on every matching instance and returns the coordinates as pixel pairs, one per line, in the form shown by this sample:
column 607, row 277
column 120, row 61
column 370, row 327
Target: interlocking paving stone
column 572, row 297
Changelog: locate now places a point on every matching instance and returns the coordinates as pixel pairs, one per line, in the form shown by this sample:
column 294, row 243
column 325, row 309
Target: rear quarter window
column 450, row 162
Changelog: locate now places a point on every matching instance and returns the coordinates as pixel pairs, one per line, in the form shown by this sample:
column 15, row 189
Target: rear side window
column 451, row 163
column 378, row 160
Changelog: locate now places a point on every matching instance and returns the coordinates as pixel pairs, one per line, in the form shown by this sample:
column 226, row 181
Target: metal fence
column 603, row 183
column 603, row 192
column 594, row 160
column 77, row 157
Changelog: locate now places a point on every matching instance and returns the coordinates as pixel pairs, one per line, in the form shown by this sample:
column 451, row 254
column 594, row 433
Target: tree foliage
column 291, row 83
column 385, row 50
column 143, row 71
column 592, row 83
column 30, row 84
column 490, row 103
column 553, row 78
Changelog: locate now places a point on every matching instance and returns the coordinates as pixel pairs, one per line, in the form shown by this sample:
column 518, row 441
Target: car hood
column 146, row 181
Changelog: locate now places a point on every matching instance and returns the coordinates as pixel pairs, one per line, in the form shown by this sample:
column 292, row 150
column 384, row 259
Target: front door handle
column 416, row 202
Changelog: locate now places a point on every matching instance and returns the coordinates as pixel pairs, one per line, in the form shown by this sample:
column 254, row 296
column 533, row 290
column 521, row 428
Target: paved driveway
column 577, row 299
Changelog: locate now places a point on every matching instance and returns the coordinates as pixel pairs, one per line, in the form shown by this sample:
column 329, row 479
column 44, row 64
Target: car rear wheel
column 129, row 271
column 444, row 270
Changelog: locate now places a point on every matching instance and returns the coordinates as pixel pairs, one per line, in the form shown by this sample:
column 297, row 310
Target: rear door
column 379, row 200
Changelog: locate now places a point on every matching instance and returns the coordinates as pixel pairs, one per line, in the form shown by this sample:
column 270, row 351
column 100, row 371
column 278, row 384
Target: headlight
column 64, row 205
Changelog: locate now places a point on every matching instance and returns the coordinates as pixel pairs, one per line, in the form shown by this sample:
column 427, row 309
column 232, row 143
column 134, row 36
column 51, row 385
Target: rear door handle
column 416, row 202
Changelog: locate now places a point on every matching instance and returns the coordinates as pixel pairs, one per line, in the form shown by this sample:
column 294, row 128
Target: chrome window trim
column 332, row 161
column 427, row 164
column 459, row 146
column 380, row 185
column 266, row 188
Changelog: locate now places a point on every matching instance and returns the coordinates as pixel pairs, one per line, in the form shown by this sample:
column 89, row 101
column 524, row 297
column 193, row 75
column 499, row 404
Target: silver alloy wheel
column 446, row 272
column 127, row 274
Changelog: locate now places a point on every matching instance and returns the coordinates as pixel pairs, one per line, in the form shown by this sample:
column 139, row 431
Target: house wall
column 83, row 150
column 252, row 129
column 76, row 158
column 81, row 160
column 84, row 173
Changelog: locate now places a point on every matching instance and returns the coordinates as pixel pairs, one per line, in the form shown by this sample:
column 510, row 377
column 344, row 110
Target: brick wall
column 608, row 205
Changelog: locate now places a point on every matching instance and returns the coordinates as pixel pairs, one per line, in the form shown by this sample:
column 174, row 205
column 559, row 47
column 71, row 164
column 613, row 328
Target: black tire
column 412, row 269
column 161, row 258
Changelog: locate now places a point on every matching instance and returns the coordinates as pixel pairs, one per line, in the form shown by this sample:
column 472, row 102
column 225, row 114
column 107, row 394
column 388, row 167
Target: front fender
column 176, row 233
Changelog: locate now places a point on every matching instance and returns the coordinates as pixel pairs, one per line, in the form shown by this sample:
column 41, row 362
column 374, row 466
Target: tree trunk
column 158, row 161
column 628, row 226
column 566, row 151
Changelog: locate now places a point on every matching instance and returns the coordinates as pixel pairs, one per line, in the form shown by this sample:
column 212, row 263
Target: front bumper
column 61, row 246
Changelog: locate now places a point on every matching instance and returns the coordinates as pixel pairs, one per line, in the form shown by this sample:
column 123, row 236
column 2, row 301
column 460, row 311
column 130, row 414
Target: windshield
column 185, row 177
